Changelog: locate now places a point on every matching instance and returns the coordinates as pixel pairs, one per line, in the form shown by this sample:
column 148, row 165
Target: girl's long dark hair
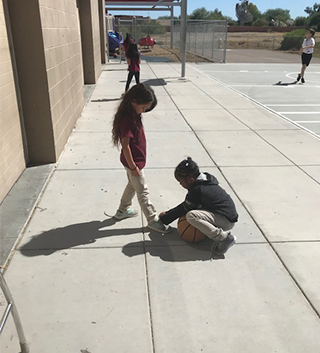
column 128, row 38
column 139, row 94
column 132, row 52
column 187, row 168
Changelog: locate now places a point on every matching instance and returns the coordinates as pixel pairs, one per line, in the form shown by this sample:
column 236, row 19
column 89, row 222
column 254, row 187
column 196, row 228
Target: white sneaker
column 158, row 226
column 130, row 213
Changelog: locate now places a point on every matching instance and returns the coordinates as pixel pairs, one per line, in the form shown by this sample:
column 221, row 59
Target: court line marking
column 295, row 74
column 300, row 113
column 307, row 122
column 294, row 105
column 314, row 134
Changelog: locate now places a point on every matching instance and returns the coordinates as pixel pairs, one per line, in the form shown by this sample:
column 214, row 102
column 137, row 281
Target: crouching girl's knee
column 190, row 216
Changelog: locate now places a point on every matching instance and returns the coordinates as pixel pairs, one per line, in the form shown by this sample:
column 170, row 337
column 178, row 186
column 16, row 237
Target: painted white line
column 295, row 75
column 314, row 134
column 293, row 105
column 307, row 122
column 310, row 113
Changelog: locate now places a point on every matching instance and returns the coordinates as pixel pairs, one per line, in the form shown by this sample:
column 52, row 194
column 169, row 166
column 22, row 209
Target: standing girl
column 128, row 40
column 128, row 131
column 133, row 60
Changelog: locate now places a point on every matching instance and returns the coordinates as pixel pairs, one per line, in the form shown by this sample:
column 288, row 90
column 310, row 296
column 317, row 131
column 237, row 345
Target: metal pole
column 212, row 54
column 15, row 315
column 195, row 39
column 225, row 43
column 203, row 34
column 120, row 49
column 183, row 36
column 171, row 27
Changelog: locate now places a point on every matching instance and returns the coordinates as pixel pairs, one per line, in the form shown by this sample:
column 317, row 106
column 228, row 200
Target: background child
column 306, row 52
column 133, row 60
column 207, row 206
column 128, row 131
column 127, row 42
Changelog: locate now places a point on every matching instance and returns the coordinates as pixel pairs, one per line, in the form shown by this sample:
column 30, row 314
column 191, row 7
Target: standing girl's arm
column 125, row 143
column 128, row 62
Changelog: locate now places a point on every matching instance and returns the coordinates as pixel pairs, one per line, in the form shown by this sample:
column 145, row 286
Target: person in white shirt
column 306, row 52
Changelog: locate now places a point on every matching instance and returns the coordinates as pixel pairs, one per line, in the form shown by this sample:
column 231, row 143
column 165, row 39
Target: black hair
column 139, row 94
column 132, row 52
column 312, row 31
column 128, row 38
column 187, row 168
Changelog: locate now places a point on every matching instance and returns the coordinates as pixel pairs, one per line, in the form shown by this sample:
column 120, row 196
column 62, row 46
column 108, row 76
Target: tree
column 312, row 10
column 253, row 9
column 314, row 21
column 199, row 14
column 277, row 15
column 301, row 21
column 215, row 15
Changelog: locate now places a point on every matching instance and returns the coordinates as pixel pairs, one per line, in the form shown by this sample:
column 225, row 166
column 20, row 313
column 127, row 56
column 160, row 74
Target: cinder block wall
column 46, row 38
column 12, row 161
column 90, row 40
column 63, row 58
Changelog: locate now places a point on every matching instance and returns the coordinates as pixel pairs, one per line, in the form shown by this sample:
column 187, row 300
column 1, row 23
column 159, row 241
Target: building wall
column 63, row 62
column 41, row 83
column 90, row 40
column 12, row 161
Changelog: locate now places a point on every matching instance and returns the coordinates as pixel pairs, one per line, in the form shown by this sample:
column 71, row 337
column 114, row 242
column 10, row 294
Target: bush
column 315, row 21
column 293, row 40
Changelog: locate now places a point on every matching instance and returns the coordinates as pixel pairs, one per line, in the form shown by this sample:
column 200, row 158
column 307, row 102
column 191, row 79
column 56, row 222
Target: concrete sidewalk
column 87, row 284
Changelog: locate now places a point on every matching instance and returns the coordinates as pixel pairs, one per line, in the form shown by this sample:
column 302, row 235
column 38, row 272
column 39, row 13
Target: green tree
column 312, row 10
column 199, row 14
column 260, row 22
column 253, row 9
column 314, row 21
column 301, row 21
column 215, row 15
column 277, row 15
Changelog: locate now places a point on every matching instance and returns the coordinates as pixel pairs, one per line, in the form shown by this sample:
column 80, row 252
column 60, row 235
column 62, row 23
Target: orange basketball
column 188, row 232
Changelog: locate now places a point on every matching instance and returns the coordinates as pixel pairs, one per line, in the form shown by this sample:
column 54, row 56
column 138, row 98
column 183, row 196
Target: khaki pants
column 138, row 185
column 214, row 226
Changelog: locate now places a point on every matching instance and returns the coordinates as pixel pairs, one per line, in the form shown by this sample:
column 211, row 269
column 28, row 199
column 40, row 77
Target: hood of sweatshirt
column 206, row 179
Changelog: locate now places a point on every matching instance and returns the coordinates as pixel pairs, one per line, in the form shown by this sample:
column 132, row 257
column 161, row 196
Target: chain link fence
column 205, row 38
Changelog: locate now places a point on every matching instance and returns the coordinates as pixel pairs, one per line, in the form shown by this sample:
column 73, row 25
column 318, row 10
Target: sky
column 227, row 7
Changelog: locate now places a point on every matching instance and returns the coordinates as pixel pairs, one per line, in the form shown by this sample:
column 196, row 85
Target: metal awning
column 147, row 5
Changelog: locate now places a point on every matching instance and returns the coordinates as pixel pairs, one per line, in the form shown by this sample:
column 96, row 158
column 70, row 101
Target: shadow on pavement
column 179, row 252
column 280, row 83
column 106, row 100
column 50, row 241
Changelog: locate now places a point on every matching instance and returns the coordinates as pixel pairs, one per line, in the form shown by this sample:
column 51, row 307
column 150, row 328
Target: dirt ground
column 172, row 54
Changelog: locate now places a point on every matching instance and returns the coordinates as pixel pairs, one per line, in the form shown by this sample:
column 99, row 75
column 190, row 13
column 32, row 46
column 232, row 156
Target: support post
column 171, row 27
column 183, row 36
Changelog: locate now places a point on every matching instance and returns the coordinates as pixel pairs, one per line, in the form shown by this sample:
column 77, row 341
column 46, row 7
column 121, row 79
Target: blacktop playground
column 84, row 283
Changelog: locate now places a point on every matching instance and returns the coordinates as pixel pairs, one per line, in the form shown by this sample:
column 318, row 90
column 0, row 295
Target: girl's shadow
column 170, row 247
column 73, row 235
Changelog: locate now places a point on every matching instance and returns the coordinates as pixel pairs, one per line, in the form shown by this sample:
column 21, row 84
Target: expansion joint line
column 238, row 197
column 147, row 284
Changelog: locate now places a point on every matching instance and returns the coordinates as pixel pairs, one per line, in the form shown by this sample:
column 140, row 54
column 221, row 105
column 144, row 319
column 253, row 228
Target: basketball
column 188, row 232
column 115, row 55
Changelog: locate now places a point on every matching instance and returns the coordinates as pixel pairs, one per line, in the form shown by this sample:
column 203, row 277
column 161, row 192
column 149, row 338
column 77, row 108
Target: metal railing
column 11, row 308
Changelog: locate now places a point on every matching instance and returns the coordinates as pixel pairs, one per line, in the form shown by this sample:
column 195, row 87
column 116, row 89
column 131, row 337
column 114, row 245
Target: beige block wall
column 96, row 37
column 90, row 40
column 12, row 161
column 62, row 46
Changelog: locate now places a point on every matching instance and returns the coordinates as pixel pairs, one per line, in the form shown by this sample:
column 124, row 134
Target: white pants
column 137, row 185
column 213, row 225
